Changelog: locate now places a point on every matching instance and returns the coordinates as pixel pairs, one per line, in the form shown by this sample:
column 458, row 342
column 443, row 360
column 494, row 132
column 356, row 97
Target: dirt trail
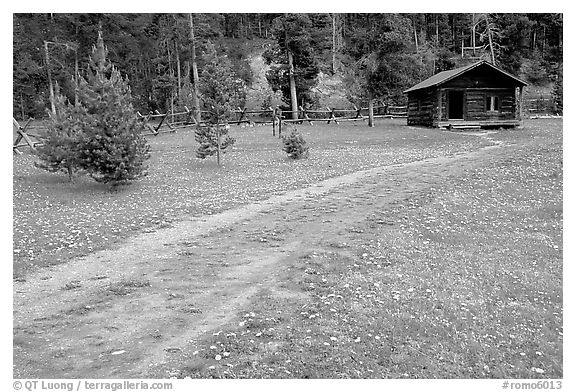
column 117, row 313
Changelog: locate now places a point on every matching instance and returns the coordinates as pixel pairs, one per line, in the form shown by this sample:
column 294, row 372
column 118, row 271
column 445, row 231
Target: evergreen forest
column 365, row 56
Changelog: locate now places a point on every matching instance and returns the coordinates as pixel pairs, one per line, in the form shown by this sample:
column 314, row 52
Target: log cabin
column 478, row 95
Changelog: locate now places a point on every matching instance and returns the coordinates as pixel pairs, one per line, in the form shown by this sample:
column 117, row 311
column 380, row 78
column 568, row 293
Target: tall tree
column 221, row 91
column 113, row 150
column 294, row 66
column 383, row 64
column 154, row 48
column 336, row 38
column 195, row 78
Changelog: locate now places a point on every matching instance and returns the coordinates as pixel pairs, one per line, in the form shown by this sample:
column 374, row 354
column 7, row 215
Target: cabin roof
column 444, row 76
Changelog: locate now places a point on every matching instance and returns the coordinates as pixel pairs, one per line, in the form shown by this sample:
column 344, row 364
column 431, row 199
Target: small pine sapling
column 295, row 145
column 208, row 138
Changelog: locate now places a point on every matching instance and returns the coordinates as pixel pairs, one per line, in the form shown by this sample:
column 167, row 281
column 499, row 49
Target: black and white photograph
column 369, row 196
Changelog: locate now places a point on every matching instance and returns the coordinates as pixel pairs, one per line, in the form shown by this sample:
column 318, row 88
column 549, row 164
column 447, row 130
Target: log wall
column 476, row 104
column 423, row 108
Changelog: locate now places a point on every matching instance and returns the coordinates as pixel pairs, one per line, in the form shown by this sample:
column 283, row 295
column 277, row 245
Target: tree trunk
column 474, row 35
column 333, row 43
column 21, row 106
column 437, row 31
column 415, row 35
column 70, row 173
column 370, row 111
column 218, row 142
column 259, row 26
column 76, row 71
column 293, row 98
column 76, row 77
column 178, row 72
column 544, row 41
column 50, row 85
column 195, row 78
column 489, row 32
column 171, row 73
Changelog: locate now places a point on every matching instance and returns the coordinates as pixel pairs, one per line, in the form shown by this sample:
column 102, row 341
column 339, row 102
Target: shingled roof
column 444, row 76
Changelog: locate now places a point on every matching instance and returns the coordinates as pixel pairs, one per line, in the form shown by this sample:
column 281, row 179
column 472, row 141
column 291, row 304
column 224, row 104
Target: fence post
column 332, row 116
column 279, row 123
column 273, row 111
column 358, row 114
column 305, row 114
column 242, row 115
column 21, row 130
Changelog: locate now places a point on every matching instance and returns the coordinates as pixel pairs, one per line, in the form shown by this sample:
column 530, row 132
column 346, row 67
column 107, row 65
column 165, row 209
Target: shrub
column 295, row 145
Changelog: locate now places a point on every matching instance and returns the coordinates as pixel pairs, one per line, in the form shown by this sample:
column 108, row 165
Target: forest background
column 313, row 60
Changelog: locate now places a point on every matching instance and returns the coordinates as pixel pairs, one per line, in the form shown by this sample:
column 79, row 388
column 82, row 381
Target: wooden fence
column 157, row 123
column 25, row 135
column 540, row 106
column 332, row 115
column 28, row 135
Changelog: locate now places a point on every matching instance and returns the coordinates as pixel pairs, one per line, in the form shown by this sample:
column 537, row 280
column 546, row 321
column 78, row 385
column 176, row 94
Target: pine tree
column 558, row 93
column 221, row 90
column 207, row 137
column 113, row 149
column 295, row 145
column 60, row 150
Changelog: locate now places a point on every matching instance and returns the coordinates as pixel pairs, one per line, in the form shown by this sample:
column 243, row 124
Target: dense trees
column 100, row 133
column 293, row 59
column 383, row 64
column 159, row 52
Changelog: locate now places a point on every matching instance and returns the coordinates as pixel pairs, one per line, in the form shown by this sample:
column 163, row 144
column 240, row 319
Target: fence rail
column 157, row 123
column 541, row 106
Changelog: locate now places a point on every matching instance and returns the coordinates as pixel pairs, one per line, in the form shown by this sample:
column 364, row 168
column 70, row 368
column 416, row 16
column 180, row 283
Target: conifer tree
column 60, row 150
column 221, row 90
column 113, row 149
column 295, row 145
column 557, row 92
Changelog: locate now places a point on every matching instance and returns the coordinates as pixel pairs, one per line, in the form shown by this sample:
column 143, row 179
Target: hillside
column 330, row 89
column 381, row 54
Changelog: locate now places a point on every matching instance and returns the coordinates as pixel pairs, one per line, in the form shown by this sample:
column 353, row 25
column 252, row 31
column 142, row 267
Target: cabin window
column 492, row 103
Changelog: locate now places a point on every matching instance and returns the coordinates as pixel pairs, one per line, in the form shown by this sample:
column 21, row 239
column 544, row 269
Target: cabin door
column 456, row 105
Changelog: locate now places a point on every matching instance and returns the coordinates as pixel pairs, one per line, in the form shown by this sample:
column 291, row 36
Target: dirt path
column 117, row 313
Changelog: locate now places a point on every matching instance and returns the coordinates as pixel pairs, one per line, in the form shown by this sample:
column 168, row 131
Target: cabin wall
column 476, row 104
column 423, row 107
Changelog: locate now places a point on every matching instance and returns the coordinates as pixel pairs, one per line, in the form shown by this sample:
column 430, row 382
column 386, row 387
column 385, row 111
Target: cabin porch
column 465, row 125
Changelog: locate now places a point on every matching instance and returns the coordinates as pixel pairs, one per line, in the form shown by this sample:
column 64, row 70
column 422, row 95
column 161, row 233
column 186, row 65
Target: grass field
column 55, row 220
column 461, row 281
column 451, row 268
